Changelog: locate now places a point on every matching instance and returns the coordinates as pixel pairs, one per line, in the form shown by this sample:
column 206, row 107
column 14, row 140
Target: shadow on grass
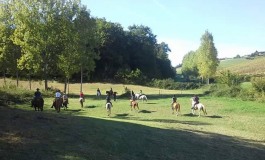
column 92, row 106
column 146, row 111
column 214, row 116
column 43, row 135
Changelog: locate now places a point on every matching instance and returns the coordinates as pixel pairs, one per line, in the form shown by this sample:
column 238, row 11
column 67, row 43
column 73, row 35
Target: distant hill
column 250, row 66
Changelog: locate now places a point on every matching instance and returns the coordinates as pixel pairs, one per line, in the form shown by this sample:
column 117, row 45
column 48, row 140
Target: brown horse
column 134, row 105
column 176, row 106
column 38, row 104
column 57, row 103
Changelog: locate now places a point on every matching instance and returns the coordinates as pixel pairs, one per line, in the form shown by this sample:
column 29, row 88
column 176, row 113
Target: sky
column 237, row 26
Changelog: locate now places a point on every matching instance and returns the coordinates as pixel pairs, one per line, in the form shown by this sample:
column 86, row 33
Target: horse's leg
column 81, row 103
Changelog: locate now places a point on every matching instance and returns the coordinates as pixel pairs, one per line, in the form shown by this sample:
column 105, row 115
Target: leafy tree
column 207, row 57
column 189, row 65
column 9, row 52
column 113, row 52
column 228, row 78
column 142, row 45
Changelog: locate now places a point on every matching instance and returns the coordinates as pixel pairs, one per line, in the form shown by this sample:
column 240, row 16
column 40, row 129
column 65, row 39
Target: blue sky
column 238, row 26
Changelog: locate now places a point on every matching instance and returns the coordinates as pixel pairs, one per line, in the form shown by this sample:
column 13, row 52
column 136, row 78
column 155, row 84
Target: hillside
column 244, row 66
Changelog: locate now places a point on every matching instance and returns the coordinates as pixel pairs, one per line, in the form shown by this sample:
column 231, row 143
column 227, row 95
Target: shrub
column 171, row 84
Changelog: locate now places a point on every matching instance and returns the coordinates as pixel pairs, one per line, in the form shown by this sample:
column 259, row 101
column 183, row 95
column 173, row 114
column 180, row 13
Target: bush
column 172, row 85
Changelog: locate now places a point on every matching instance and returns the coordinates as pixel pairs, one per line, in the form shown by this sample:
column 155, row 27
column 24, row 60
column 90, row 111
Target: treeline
column 49, row 39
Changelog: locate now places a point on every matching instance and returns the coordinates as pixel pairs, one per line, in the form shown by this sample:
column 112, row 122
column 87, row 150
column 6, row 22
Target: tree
column 9, row 52
column 189, row 65
column 207, row 57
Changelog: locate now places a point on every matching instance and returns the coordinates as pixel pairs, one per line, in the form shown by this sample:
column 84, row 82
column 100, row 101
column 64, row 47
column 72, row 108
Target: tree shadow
column 43, row 135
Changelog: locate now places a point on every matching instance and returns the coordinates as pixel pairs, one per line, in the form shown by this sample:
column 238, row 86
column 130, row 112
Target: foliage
column 189, row 65
column 172, row 85
column 259, row 84
column 207, row 56
column 130, row 77
column 228, row 78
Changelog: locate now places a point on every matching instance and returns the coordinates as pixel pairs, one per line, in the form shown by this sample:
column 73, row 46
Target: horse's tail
column 204, row 110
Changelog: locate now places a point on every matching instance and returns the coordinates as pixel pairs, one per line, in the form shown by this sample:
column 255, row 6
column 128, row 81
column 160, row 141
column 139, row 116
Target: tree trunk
column 5, row 77
column 17, row 77
column 68, row 86
column 81, row 79
column 29, row 82
column 65, row 85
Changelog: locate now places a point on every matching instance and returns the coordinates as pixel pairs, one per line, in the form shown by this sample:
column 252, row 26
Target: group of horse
column 199, row 106
column 58, row 103
column 133, row 103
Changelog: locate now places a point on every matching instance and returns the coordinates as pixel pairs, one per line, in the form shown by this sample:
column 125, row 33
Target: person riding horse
column 65, row 100
column 108, row 99
column 57, row 96
column 133, row 98
column 37, row 96
column 174, row 100
column 195, row 98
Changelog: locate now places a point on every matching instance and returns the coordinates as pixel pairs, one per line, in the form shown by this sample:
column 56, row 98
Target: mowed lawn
column 233, row 129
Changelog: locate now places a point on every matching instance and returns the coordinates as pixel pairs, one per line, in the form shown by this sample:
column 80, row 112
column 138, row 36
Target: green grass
column 233, row 129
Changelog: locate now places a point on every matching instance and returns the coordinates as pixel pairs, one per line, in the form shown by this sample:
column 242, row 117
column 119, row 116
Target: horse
column 134, row 105
column 176, row 106
column 108, row 108
column 57, row 103
column 81, row 100
column 137, row 95
column 200, row 107
column 143, row 97
column 65, row 103
column 38, row 104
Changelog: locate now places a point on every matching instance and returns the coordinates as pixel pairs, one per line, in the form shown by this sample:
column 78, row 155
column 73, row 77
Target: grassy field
column 244, row 66
column 233, row 129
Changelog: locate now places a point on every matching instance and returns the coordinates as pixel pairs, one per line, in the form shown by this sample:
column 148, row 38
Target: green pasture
column 232, row 129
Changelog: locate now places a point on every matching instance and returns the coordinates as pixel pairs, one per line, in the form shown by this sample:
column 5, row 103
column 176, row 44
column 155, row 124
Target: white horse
column 108, row 108
column 137, row 95
column 200, row 107
column 143, row 97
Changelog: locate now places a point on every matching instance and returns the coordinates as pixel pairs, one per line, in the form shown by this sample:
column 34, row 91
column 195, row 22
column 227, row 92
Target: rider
column 57, row 96
column 98, row 92
column 37, row 95
column 133, row 98
column 82, row 96
column 114, row 95
column 65, row 98
column 141, row 92
column 174, row 100
column 195, row 98
column 108, row 99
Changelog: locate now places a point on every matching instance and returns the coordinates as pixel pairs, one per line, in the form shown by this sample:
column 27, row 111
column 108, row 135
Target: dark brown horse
column 38, row 104
column 57, row 103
